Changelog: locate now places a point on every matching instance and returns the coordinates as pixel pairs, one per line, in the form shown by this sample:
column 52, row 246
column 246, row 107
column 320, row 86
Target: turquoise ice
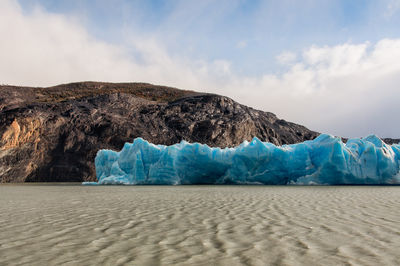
column 325, row 160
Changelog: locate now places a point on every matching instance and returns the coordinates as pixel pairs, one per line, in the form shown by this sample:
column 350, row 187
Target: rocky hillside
column 53, row 134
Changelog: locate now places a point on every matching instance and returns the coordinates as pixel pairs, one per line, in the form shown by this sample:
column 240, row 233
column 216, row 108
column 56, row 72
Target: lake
column 52, row 224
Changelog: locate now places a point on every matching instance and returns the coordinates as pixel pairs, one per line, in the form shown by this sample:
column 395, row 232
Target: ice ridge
column 325, row 160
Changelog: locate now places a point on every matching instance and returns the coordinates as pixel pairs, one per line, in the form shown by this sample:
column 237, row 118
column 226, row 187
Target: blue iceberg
column 325, row 160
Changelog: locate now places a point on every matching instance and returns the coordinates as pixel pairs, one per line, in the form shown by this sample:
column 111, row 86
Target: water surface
column 199, row 225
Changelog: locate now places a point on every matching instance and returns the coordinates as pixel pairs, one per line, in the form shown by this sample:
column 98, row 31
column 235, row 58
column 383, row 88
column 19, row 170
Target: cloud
column 43, row 49
column 286, row 58
column 348, row 89
column 345, row 89
column 392, row 7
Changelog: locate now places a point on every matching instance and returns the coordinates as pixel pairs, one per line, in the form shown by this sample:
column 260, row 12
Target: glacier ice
column 324, row 160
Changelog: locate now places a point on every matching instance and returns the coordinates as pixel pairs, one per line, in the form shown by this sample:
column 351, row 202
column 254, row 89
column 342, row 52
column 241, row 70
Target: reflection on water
column 199, row 225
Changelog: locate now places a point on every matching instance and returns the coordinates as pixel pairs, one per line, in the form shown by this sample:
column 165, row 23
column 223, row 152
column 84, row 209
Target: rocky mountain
column 53, row 134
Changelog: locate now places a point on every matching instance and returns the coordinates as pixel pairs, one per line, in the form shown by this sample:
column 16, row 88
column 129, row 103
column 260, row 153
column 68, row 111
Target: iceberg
column 325, row 160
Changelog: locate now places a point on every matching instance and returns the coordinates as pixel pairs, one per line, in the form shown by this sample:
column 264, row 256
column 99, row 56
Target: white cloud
column 286, row 58
column 348, row 89
column 43, row 49
column 392, row 8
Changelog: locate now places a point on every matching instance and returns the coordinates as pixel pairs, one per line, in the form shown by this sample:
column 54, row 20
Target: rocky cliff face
column 53, row 134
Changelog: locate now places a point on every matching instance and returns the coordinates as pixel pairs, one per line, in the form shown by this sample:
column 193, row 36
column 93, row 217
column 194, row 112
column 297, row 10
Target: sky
column 331, row 65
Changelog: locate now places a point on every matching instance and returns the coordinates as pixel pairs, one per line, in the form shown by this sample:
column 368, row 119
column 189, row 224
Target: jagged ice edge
column 325, row 160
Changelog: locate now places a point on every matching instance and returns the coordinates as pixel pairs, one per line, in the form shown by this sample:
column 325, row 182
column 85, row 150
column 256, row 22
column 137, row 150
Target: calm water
column 199, row 225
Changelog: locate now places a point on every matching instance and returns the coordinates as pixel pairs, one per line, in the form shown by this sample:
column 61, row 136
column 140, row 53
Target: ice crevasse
column 325, row 160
